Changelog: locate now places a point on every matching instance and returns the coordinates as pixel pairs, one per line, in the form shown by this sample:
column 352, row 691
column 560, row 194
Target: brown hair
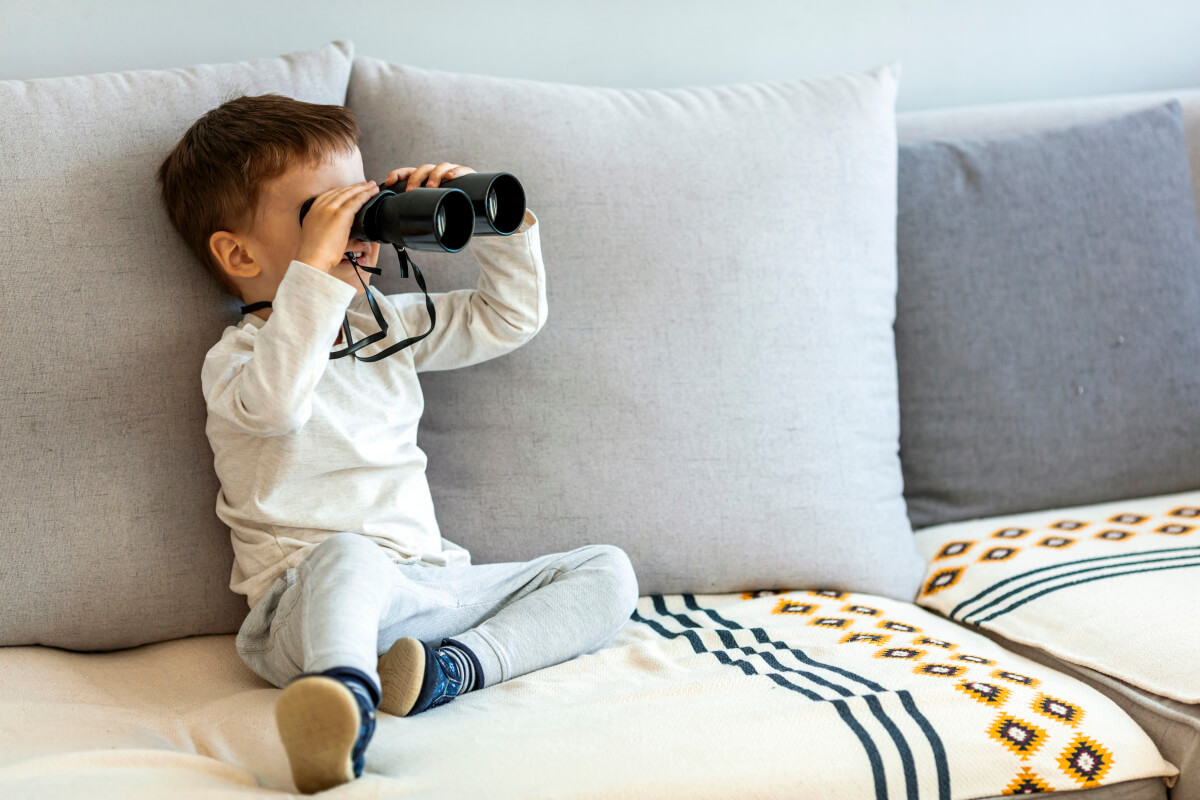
column 214, row 176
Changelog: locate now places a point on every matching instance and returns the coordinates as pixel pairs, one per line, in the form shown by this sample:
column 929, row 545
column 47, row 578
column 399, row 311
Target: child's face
column 258, row 257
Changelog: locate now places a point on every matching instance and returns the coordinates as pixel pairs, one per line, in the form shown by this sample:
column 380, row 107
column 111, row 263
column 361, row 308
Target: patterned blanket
column 1112, row 586
column 867, row 697
column 796, row 694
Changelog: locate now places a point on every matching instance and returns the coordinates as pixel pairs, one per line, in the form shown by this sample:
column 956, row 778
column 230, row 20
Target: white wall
column 955, row 52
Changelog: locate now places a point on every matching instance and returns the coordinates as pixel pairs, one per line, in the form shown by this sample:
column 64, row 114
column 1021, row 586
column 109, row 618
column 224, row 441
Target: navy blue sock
column 467, row 662
column 360, row 678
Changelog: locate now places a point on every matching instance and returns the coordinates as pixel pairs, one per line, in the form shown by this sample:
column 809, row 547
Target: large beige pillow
column 715, row 389
column 110, row 538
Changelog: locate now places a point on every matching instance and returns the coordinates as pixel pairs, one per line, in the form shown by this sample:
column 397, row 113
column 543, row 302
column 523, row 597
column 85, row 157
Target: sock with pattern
column 363, row 684
column 467, row 663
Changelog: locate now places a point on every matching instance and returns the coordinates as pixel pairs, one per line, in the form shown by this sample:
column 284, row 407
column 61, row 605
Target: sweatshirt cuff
column 528, row 222
column 310, row 291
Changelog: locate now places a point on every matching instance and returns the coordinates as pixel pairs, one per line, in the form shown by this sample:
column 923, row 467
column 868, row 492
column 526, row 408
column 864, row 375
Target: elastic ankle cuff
column 474, row 661
column 354, row 672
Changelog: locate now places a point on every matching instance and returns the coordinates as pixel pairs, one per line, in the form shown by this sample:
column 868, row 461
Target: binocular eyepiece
column 442, row 218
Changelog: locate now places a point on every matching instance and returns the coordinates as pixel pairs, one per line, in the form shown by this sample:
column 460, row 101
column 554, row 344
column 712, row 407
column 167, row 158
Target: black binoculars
column 442, row 218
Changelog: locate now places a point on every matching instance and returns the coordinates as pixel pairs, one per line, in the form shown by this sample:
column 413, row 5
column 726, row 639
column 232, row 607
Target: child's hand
column 326, row 227
column 434, row 172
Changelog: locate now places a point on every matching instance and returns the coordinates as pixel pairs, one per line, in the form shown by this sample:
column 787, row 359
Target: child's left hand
column 435, row 173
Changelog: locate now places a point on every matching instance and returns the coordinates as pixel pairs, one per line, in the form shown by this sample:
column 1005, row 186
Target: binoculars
column 442, row 218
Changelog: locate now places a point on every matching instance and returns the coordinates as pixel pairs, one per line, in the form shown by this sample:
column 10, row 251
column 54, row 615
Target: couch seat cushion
column 762, row 694
column 1172, row 725
column 1112, row 586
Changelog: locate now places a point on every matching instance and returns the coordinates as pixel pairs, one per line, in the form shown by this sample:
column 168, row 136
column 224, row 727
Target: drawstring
column 379, row 320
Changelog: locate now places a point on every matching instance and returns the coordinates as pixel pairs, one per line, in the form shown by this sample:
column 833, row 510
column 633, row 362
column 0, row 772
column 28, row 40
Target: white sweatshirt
column 306, row 446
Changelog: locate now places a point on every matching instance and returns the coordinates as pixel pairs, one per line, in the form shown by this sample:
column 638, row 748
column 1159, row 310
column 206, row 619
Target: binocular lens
column 491, row 203
column 441, row 221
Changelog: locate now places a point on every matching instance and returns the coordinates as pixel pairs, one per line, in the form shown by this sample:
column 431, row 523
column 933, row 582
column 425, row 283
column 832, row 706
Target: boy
column 336, row 547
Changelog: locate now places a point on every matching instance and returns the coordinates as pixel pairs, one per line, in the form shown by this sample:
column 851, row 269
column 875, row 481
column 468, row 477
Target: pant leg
column 519, row 616
column 256, row 642
column 323, row 613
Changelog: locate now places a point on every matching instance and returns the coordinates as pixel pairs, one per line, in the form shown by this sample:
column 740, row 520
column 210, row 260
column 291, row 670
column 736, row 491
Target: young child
column 356, row 601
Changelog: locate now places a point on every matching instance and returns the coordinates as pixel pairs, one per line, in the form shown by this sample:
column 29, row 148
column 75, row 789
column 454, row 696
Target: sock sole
column 401, row 673
column 318, row 721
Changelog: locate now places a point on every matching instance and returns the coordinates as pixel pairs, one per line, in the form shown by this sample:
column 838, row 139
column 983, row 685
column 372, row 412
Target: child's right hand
column 326, row 227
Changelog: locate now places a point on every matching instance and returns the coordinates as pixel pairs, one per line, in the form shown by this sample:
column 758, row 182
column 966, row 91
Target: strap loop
column 353, row 346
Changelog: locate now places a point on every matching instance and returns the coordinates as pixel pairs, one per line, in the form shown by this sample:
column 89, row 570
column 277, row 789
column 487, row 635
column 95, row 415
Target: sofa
column 893, row 414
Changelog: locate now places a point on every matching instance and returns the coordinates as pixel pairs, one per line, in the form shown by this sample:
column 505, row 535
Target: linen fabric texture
column 1049, row 281
column 110, row 539
column 716, row 393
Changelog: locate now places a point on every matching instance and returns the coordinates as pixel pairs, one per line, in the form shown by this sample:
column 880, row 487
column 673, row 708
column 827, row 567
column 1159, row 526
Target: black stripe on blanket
column 781, row 677
column 935, row 742
column 1107, row 566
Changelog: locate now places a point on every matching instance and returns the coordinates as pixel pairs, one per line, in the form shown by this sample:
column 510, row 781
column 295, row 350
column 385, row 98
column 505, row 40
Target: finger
column 457, row 172
column 439, row 173
column 370, row 187
column 337, row 193
column 397, row 175
column 354, row 195
column 419, row 175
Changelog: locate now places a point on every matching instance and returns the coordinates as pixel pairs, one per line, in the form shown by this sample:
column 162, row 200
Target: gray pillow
column 110, row 537
column 714, row 390
column 1046, row 324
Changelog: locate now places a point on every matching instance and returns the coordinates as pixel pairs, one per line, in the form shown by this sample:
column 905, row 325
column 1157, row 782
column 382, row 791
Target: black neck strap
column 379, row 320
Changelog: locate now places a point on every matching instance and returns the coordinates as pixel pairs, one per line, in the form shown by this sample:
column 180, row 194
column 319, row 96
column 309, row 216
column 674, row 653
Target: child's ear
column 230, row 252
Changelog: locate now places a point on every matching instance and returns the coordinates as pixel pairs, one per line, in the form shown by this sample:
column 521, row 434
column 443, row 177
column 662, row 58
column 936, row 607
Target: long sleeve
column 505, row 310
column 261, row 381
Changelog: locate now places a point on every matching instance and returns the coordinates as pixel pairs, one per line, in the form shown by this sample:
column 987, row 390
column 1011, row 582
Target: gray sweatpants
column 347, row 602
